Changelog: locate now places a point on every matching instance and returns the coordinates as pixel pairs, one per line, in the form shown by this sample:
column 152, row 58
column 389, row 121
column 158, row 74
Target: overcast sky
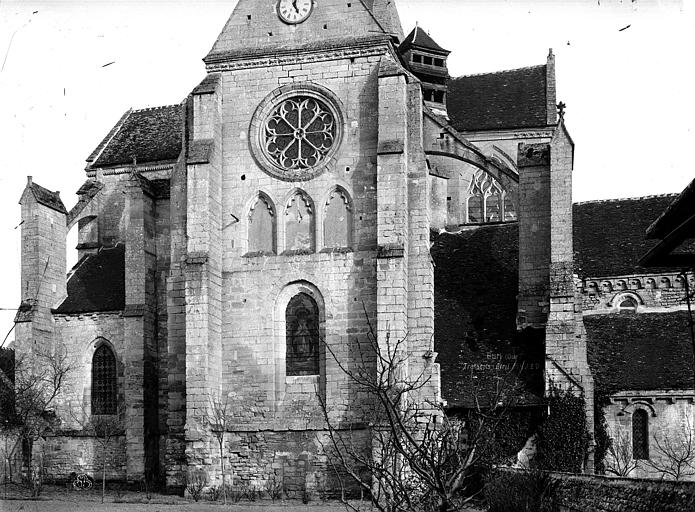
column 69, row 69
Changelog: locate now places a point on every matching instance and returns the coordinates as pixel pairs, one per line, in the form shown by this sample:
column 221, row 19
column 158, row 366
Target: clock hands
column 294, row 4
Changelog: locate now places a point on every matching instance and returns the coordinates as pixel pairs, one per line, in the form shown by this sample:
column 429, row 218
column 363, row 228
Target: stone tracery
column 488, row 201
column 299, row 133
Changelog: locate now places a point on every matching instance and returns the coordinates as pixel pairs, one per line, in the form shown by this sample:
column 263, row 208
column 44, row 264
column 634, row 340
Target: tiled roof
column 609, row 236
column 677, row 212
column 502, row 100
column 421, row 39
column 476, row 283
column 142, row 136
column 640, row 352
column 47, row 198
column 97, row 283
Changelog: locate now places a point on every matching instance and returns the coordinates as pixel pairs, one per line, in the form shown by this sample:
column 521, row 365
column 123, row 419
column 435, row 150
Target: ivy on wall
column 562, row 439
column 601, row 437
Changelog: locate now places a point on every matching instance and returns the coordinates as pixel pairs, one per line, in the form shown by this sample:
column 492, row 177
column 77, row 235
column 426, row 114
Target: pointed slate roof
column 419, row 38
column 254, row 28
column 46, row 197
column 145, row 136
column 510, row 99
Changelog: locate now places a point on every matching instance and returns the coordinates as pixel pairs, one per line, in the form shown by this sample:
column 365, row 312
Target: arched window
column 302, row 336
column 492, row 208
column 104, row 381
column 509, row 208
column 640, row 434
column 337, row 226
column 475, row 209
column 262, row 226
column 299, row 224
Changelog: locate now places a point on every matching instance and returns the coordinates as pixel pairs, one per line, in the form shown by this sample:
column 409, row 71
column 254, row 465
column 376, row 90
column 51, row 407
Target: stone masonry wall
column 573, row 493
column 651, row 291
column 670, row 421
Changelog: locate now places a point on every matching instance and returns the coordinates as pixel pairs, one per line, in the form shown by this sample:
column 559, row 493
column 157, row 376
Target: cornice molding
column 235, row 62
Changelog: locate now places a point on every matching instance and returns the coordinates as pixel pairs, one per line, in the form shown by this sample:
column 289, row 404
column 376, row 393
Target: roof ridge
column 619, row 199
column 500, row 72
column 150, row 109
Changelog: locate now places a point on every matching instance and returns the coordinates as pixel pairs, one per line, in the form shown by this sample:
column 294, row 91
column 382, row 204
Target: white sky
column 69, row 69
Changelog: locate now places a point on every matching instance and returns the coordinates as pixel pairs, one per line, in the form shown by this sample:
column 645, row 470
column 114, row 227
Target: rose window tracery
column 299, row 133
column 296, row 132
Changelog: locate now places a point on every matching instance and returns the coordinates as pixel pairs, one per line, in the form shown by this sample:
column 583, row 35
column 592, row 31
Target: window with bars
column 104, row 381
column 640, row 434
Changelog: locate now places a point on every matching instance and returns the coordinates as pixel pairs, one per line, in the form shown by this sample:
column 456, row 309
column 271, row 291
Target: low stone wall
column 65, row 454
column 575, row 493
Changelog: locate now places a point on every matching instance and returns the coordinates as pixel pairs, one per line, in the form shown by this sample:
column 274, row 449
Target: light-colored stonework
column 205, row 304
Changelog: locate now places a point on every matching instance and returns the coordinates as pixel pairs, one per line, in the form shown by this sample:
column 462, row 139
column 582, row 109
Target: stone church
column 297, row 200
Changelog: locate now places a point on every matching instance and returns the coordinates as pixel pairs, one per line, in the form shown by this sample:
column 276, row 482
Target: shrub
column 195, row 484
column 519, row 491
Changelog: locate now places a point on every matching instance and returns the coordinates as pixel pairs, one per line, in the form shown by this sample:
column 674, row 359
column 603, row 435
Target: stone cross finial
column 561, row 109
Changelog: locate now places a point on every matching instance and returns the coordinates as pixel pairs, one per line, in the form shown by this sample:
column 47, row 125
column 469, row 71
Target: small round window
column 296, row 133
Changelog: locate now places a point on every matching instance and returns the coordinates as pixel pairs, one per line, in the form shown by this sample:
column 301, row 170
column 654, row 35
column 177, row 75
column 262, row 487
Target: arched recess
column 104, row 379
column 627, row 301
column 299, row 223
column 337, row 220
column 300, row 323
column 262, row 226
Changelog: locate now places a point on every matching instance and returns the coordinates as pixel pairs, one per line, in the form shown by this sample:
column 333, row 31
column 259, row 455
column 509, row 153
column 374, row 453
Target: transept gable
column 256, row 28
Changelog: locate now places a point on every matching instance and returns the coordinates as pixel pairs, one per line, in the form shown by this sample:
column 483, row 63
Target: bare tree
column 105, row 428
column 217, row 417
column 674, row 456
column 420, row 459
column 620, row 461
column 39, row 379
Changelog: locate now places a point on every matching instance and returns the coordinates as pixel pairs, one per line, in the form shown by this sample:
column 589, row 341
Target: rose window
column 296, row 132
column 299, row 133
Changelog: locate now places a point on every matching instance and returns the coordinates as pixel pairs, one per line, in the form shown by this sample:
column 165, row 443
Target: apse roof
column 476, row 281
column 610, row 236
column 501, row 100
column 142, row 136
column 640, row 351
column 97, row 283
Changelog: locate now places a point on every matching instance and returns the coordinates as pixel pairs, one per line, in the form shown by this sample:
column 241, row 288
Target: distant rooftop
column 610, row 235
column 503, row 100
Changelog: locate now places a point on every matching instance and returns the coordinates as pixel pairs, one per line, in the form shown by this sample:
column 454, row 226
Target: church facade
column 238, row 246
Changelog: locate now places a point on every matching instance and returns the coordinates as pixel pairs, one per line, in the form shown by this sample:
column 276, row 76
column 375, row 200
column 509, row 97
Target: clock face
column 294, row 11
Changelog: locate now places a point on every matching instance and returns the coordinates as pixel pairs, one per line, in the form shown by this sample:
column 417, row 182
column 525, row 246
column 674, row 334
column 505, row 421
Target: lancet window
column 104, row 381
column 640, row 434
column 302, row 336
